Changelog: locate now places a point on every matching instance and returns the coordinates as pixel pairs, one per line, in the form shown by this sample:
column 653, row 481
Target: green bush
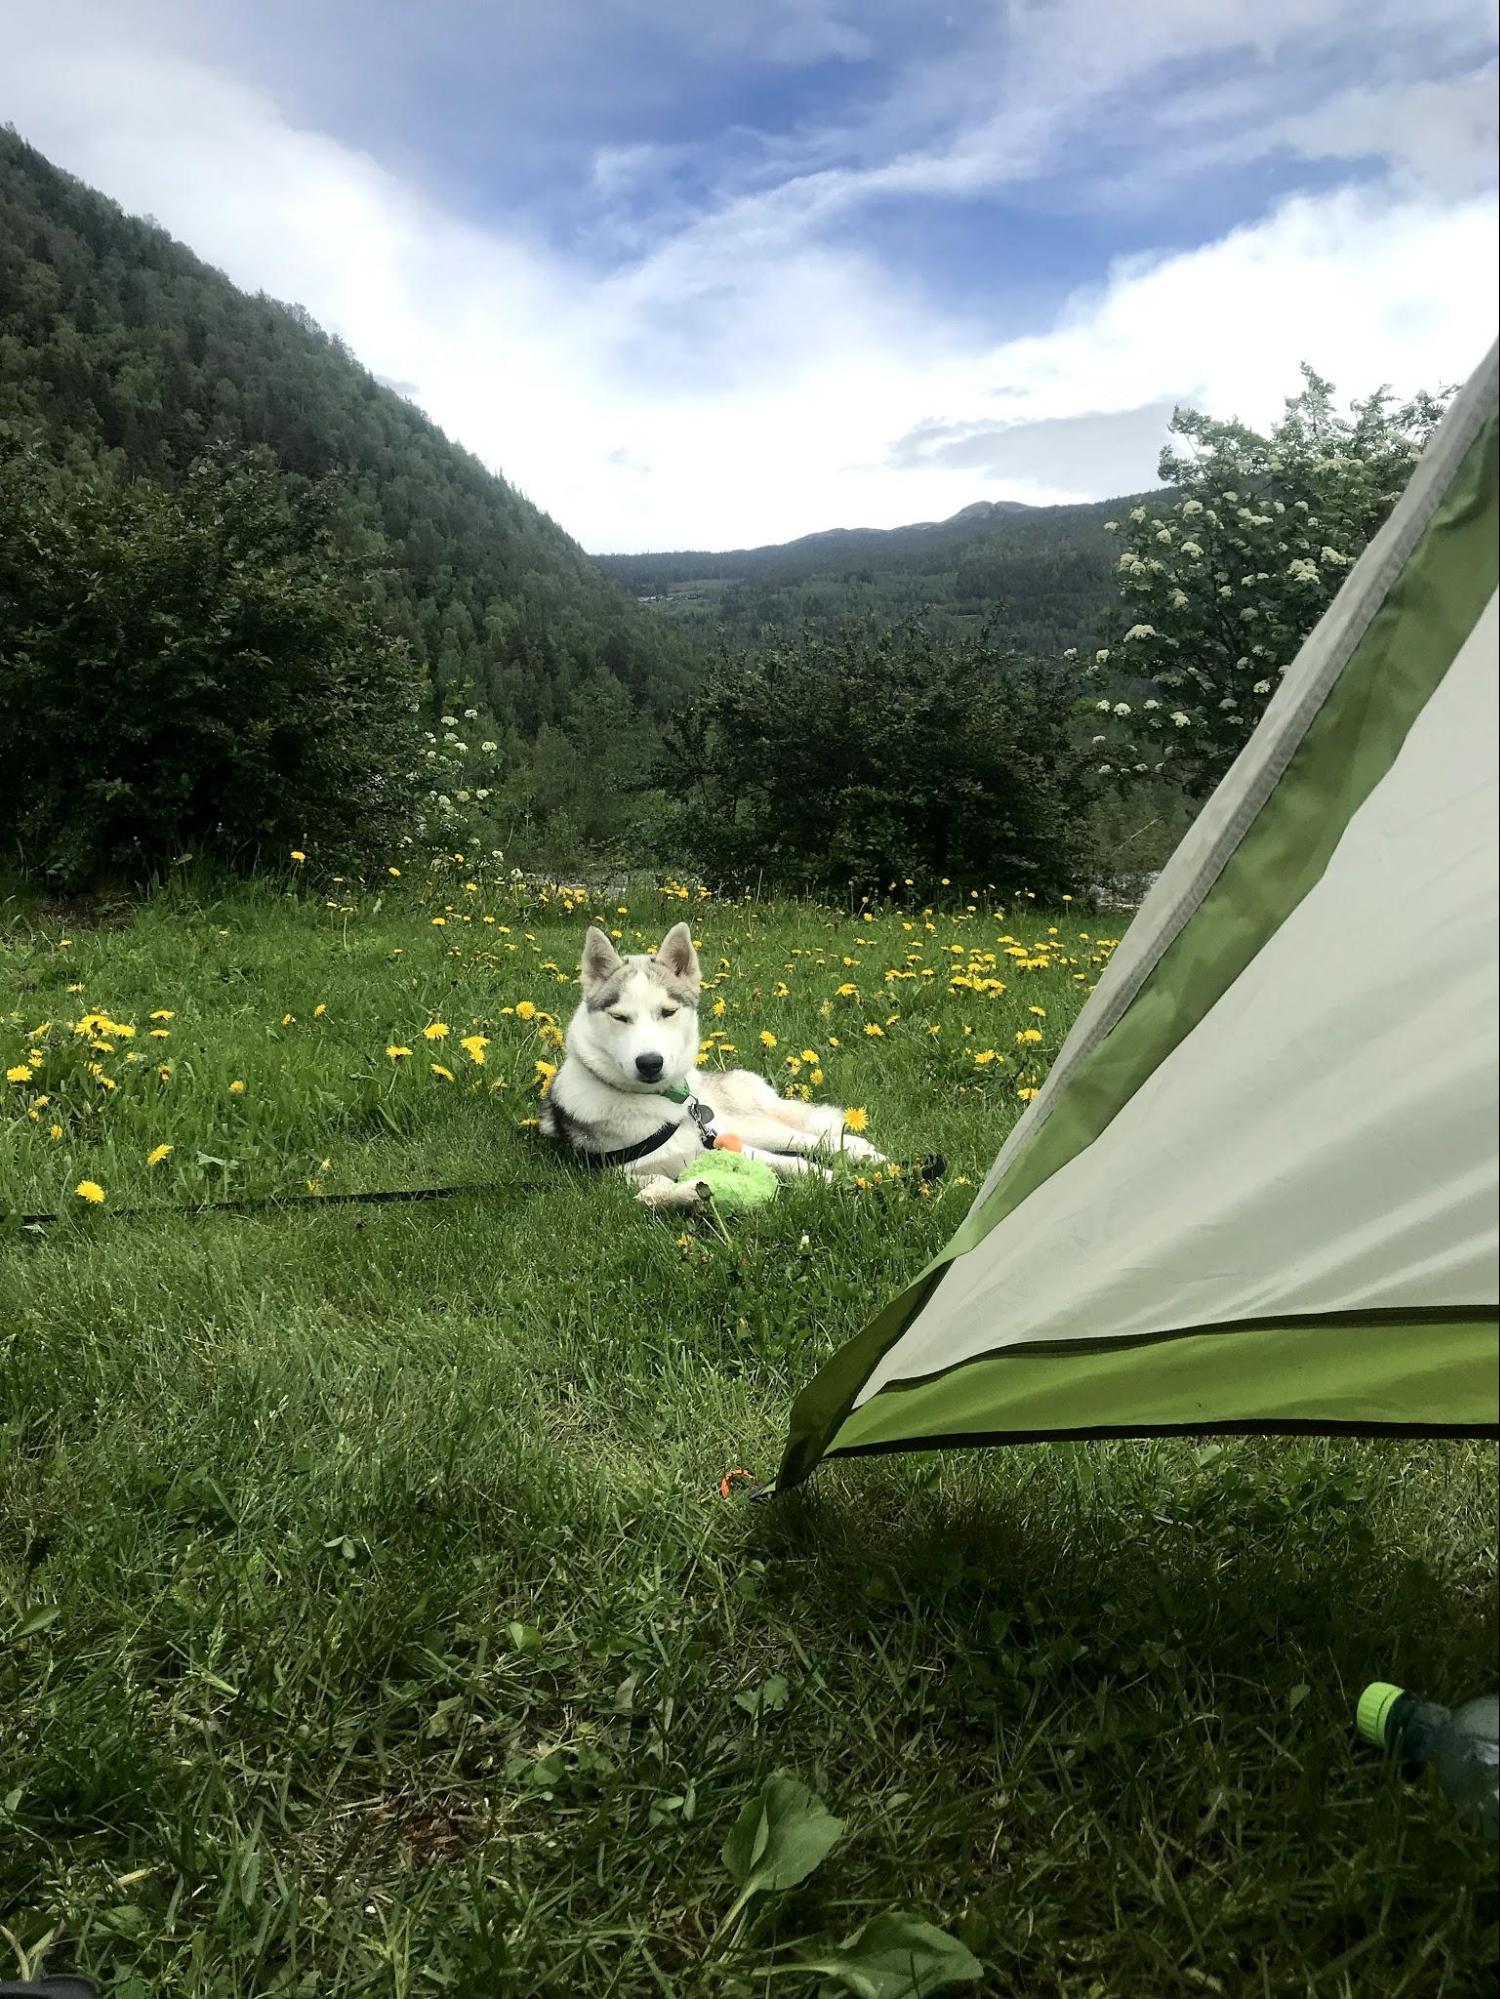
column 867, row 757
column 190, row 671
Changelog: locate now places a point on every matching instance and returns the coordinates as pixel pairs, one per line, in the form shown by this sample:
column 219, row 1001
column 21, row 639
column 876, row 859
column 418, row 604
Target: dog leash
column 249, row 1204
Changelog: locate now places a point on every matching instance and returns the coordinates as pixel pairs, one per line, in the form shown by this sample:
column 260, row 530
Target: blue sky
column 702, row 276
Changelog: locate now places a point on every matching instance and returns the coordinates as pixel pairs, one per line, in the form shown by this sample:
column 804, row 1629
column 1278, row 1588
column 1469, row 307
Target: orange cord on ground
column 728, row 1482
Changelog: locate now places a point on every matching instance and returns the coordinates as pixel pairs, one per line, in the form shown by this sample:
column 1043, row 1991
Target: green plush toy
column 733, row 1182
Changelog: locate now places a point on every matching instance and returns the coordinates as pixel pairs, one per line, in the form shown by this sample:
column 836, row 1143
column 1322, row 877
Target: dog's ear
column 675, row 954
column 600, row 959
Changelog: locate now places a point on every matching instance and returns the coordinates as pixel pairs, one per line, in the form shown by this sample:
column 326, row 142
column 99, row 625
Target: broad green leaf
column 779, row 1838
column 769, row 1698
column 898, row 1957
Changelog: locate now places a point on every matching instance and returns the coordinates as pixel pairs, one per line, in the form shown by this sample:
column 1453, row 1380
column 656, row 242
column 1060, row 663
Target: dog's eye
column 623, row 1018
column 668, row 1012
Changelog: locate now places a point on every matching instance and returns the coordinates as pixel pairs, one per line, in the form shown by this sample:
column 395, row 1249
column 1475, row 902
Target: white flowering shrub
column 1222, row 584
column 459, row 785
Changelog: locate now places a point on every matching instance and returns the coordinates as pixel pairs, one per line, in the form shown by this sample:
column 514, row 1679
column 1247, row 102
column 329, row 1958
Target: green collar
column 678, row 1094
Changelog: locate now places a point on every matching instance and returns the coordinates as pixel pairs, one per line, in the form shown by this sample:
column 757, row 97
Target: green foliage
column 189, row 671
column 780, row 1836
column 587, row 768
column 121, row 350
column 1222, row 585
column 1045, row 573
column 897, row 1957
column 869, row 757
column 784, row 1834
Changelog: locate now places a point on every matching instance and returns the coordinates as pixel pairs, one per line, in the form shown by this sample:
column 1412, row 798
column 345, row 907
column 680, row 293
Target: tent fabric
column 1259, row 1187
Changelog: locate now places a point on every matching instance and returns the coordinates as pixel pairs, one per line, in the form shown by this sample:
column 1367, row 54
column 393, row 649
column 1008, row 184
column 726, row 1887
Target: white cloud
column 1439, row 136
column 749, row 378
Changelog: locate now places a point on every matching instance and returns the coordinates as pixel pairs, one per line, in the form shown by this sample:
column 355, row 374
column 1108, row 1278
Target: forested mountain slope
column 119, row 348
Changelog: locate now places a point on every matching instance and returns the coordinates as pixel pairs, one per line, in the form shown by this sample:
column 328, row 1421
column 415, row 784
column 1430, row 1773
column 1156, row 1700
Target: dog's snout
column 648, row 1067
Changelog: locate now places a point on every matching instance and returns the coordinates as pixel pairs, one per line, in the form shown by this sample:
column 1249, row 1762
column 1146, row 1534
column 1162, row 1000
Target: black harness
column 626, row 1155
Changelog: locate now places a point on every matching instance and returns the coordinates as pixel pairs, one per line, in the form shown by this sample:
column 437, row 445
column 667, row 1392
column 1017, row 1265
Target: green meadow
column 371, row 1617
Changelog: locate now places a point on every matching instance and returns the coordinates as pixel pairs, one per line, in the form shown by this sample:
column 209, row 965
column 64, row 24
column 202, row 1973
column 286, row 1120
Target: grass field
column 370, row 1619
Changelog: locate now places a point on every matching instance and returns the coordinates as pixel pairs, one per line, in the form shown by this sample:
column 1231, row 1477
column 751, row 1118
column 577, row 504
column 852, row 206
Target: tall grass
column 370, row 1620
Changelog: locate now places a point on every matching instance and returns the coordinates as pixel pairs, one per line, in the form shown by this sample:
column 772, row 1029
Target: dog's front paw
column 660, row 1192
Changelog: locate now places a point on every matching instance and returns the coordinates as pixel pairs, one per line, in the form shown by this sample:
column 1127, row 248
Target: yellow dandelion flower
column 440, row 923
column 815, row 1077
column 92, row 1192
column 435, row 1030
column 287, row 1019
column 809, row 1054
column 20, row 1073
column 875, row 1031
column 54, row 1131
column 718, row 1009
column 319, row 1010
column 157, row 1154
column 856, row 1120
column 438, row 1070
column 161, row 1034
column 847, row 991
column 767, row 1039
column 164, row 1013
column 474, row 1046
column 396, row 872
column 1026, row 1095
column 298, row 855
column 982, row 1056
column 236, row 1088
column 525, row 1010
column 396, row 1051
column 1039, row 1011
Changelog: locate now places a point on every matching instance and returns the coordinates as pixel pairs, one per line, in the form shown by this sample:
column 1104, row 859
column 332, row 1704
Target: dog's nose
column 648, row 1067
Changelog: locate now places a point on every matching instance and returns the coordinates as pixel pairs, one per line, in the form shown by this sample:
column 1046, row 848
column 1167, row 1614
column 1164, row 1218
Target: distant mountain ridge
column 1042, row 576
column 976, row 514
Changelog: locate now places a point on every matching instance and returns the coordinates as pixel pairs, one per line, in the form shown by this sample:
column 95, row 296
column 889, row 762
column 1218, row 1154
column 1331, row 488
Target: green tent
column 1258, row 1190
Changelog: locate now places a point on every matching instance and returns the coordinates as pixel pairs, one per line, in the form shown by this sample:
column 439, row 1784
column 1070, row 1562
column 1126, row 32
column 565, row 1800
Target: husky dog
column 629, row 1094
